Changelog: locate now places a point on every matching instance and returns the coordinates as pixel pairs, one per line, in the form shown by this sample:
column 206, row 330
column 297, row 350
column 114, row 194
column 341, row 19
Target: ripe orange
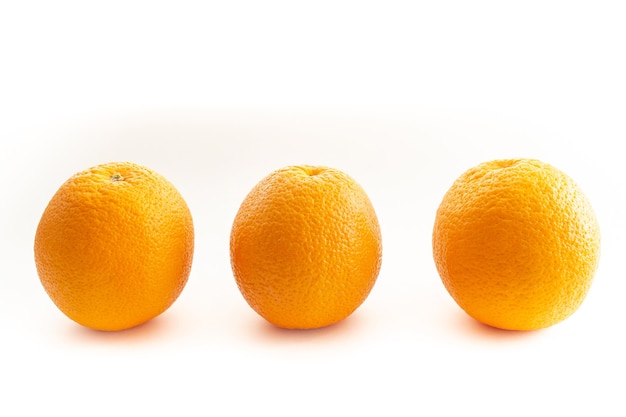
column 516, row 243
column 306, row 247
column 114, row 246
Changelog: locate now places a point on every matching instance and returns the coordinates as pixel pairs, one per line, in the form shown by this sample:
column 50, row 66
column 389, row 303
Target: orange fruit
column 114, row 246
column 516, row 243
column 306, row 247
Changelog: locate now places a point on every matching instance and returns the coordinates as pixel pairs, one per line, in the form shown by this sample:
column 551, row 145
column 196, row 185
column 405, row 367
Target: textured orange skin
column 516, row 244
column 306, row 247
column 114, row 246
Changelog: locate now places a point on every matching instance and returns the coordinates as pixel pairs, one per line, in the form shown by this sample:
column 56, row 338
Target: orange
column 306, row 247
column 114, row 246
column 516, row 243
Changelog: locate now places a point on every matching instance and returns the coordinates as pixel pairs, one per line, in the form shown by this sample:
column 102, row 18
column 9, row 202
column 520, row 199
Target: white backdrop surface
column 403, row 96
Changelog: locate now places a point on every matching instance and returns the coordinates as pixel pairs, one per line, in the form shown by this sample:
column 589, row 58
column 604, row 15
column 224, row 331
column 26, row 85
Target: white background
column 403, row 96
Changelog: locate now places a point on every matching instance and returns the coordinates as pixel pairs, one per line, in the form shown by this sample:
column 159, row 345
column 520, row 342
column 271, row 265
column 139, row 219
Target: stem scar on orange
column 114, row 246
column 306, row 247
column 516, row 243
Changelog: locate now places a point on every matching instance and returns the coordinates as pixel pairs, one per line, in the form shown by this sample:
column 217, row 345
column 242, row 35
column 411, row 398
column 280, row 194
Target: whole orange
column 516, row 243
column 306, row 247
column 114, row 246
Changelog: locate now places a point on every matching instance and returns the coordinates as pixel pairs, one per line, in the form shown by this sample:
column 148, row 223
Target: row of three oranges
column 516, row 244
